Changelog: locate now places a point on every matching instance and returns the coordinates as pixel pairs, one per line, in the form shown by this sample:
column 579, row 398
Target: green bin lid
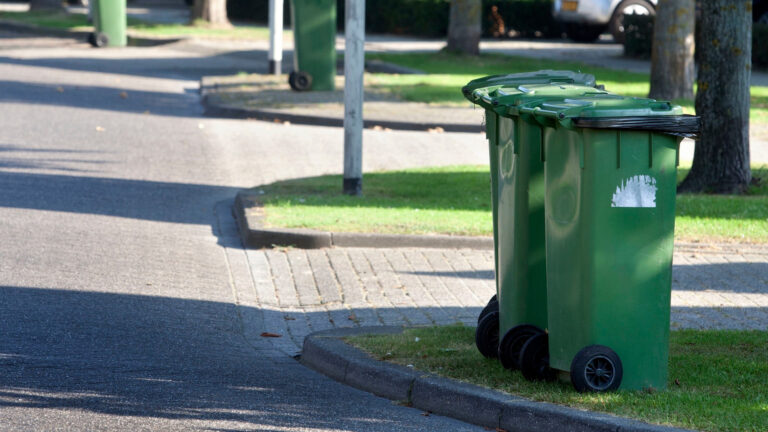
column 502, row 98
column 538, row 77
column 610, row 111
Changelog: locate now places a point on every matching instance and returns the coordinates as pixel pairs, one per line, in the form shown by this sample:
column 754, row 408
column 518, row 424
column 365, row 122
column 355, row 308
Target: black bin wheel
column 534, row 359
column 596, row 368
column 487, row 335
column 300, row 81
column 98, row 39
column 512, row 343
column 492, row 306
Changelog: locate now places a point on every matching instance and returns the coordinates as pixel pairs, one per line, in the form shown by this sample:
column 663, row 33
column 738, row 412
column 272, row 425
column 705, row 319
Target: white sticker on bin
column 637, row 191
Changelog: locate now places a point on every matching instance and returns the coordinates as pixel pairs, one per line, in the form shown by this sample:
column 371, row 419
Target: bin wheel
column 487, row 335
column 492, row 306
column 98, row 39
column 512, row 343
column 596, row 368
column 534, row 359
column 300, row 81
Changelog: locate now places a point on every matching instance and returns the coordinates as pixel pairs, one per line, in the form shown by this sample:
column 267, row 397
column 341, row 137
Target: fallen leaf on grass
column 677, row 382
column 271, row 335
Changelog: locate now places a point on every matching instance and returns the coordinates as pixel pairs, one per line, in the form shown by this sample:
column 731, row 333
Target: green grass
column 141, row 28
column 439, row 87
column 722, row 376
column 456, row 200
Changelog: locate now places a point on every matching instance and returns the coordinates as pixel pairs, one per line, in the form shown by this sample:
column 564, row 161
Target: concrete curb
column 79, row 34
column 214, row 107
column 327, row 353
column 254, row 235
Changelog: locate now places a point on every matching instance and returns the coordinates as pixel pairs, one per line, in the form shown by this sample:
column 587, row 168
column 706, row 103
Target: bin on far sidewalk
column 314, row 52
column 109, row 22
column 517, row 189
column 610, row 166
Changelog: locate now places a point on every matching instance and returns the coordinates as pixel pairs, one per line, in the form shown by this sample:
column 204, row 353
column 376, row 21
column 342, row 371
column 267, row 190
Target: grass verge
column 441, row 88
column 455, row 200
column 199, row 29
column 721, row 376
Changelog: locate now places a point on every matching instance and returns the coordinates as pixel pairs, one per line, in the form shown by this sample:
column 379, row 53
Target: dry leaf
column 352, row 317
column 271, row 335
column 124, row 95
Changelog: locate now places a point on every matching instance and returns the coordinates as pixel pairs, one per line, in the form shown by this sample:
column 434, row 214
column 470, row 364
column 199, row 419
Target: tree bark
column 46, row 5
column 465, row 26
column 721, row 158
column 213, row 12
column 672, row 67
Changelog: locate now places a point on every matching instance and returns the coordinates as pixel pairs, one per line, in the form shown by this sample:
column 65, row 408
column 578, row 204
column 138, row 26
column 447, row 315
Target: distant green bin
column 109, row 22
column 610, row 167
column 517, row 189
column 314, row 53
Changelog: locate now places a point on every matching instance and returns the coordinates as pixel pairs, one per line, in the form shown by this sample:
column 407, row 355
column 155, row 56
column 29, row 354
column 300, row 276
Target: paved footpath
column 301, row 291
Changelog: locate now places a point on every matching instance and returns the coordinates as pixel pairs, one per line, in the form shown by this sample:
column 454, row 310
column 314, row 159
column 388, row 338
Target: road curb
column 328, row 354
column 254, row 235
column 79, row 34
column 214, row 107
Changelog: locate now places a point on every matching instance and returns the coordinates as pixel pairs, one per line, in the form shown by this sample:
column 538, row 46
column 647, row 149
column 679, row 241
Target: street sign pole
column 275, row 36
column 354, row 61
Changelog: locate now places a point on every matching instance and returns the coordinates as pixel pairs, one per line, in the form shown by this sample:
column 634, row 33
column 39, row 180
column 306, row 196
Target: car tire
column 616, row 25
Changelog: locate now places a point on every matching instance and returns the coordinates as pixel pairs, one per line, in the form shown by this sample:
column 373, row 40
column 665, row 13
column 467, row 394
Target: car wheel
column 639, row 7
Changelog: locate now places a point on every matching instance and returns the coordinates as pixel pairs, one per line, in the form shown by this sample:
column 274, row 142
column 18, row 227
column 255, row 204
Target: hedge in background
column 427, row 18
column 638, row 35
column 759, row 50
column 527, row 18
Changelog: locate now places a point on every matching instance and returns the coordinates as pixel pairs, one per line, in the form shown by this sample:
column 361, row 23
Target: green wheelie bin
column 610, row 169
column 109, row 22
column 314, row 52
column 517, row 188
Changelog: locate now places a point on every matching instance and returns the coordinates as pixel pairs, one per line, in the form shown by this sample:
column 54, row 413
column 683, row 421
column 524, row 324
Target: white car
column 586, row 20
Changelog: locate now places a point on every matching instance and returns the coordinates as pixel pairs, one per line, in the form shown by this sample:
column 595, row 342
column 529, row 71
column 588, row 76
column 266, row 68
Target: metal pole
column 275, row 36
column 354, row 61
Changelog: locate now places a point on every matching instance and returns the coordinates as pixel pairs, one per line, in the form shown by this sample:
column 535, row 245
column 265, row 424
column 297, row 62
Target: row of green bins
column 109, row 23
column 314, row 52
column 609, row 180
column 518, row 309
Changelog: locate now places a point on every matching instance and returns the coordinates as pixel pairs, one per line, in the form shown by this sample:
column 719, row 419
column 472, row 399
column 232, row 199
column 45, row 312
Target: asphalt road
column 119, row 256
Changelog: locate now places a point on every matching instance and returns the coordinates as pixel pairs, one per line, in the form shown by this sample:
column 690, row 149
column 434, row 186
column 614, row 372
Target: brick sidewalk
column 302, row 291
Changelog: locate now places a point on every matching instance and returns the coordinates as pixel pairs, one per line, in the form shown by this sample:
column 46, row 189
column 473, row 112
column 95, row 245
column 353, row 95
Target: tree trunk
column 672, row 67
column 464, row 26
column 46, row 5
column 213, row 12
column 721, row 158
